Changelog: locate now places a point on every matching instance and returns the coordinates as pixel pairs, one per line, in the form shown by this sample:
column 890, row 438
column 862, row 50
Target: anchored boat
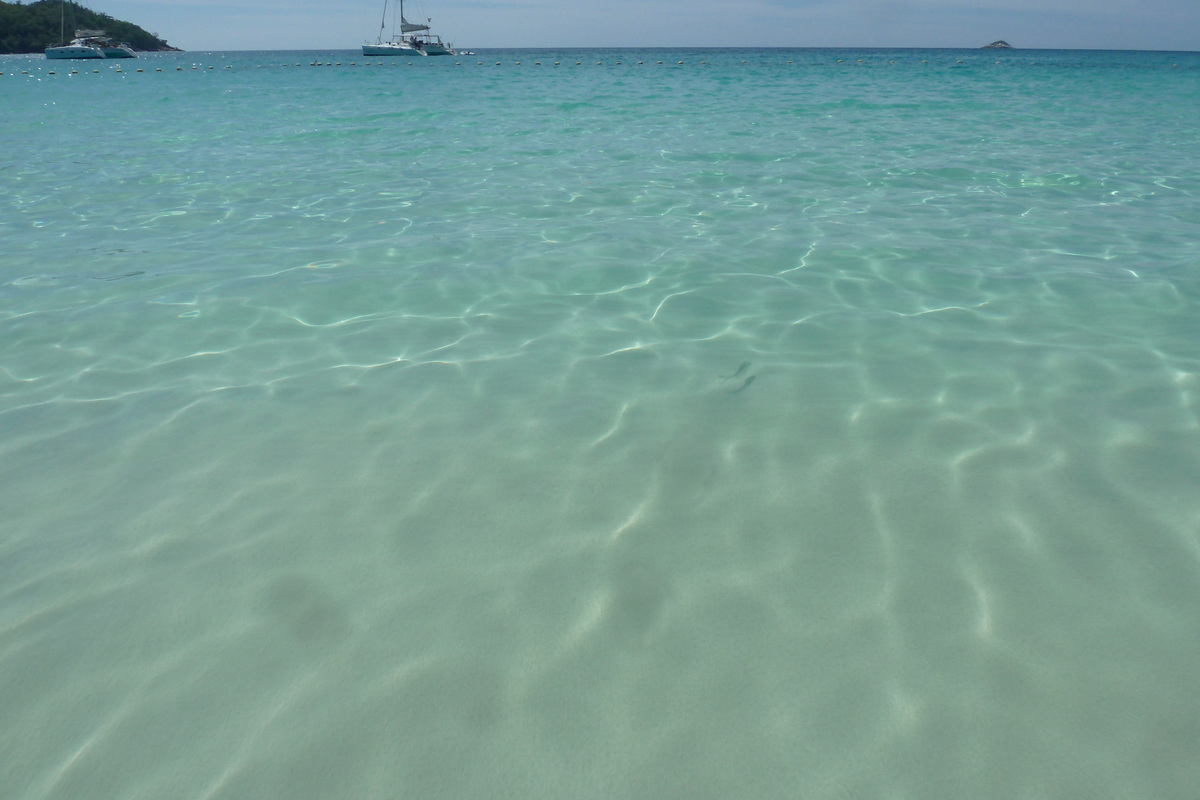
column 107, row 46
column 78, row 48
column 86, row 44
column 414, row 38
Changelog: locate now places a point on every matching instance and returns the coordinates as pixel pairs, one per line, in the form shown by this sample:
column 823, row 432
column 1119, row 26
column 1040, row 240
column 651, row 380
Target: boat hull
column 74, row 51
column 387, row 49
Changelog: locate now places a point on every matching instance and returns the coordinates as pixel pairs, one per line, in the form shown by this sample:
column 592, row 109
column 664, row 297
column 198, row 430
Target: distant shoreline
column 694, row 48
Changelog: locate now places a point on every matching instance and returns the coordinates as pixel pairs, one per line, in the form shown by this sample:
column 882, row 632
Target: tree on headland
column 33, row 27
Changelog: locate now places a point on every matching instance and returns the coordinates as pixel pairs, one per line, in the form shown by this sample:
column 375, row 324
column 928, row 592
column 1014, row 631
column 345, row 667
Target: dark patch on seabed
column 744, row 386
column 121, row 277
column 745, row 365
column 305, row 610
column 741, row 370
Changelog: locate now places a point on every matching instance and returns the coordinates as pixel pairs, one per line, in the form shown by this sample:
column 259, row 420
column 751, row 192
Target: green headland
column 32, row 27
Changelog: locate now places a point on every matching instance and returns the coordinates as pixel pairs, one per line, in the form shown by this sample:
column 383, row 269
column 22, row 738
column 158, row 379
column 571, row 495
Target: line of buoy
column 118, row 69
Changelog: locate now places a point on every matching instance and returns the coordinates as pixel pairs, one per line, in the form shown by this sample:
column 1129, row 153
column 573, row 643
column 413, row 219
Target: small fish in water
column 745, row 366
column 742, row 388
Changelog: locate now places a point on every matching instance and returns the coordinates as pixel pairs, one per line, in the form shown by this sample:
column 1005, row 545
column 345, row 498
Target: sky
column 345, row 24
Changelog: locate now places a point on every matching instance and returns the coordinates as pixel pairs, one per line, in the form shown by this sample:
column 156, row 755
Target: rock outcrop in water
column 999, row 44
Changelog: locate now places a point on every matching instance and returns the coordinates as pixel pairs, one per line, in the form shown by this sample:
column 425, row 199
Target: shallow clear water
column 780, row 423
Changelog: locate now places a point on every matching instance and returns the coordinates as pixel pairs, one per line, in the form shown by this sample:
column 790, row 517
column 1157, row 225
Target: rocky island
column 31, row 28
column 999, row 44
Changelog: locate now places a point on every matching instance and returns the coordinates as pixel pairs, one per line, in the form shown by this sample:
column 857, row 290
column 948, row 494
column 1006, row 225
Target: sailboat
column 414, row 39
column 107, row 46
column 80, row 47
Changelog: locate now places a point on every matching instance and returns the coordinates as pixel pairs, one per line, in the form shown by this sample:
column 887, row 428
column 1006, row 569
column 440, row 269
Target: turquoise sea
column 601, row 424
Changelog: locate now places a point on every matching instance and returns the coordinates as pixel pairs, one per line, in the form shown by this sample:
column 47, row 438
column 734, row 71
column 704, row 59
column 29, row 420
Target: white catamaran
column 86, row 44
column 414, row 38
column 107, row 46
column 78, row 48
